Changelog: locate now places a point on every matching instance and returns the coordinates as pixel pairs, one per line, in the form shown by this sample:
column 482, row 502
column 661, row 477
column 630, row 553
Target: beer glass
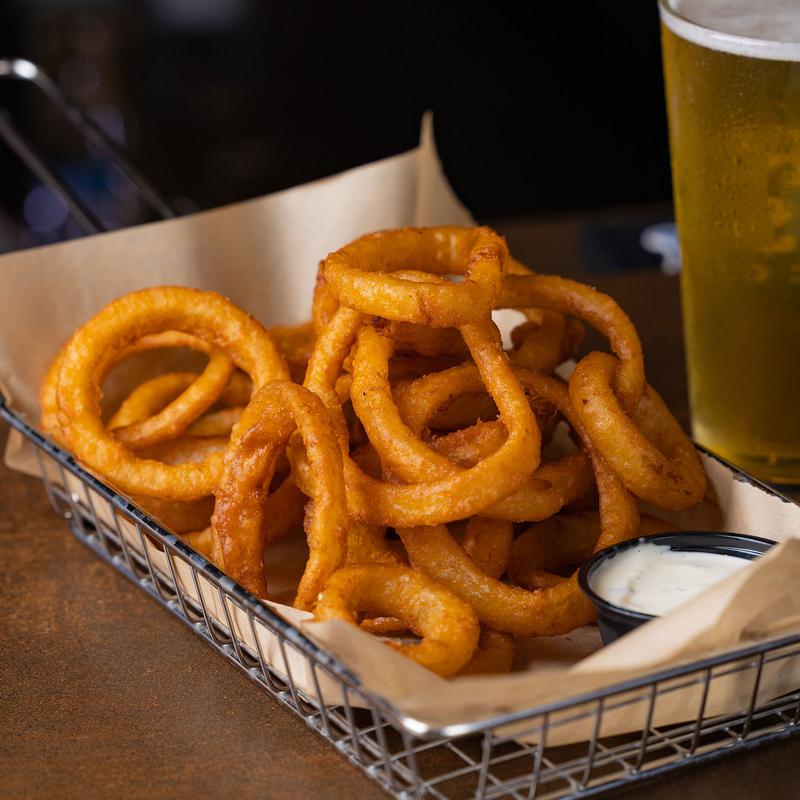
column 732, row 73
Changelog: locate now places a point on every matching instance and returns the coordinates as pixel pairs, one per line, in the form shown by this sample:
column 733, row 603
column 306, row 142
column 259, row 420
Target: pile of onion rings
column 443, row 506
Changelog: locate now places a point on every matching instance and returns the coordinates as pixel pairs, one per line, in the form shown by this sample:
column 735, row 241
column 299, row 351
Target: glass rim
column 731, row 43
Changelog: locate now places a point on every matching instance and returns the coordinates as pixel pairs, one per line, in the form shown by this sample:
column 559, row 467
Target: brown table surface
column 104, row 694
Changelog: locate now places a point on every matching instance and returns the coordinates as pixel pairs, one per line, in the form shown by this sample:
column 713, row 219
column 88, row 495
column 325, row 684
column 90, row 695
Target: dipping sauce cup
column 697, row 572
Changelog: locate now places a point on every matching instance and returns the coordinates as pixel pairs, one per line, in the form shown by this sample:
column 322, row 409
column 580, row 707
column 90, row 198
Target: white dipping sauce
column 653, row 579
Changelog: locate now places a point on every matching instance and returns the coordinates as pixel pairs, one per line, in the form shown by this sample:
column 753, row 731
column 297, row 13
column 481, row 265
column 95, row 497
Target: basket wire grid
column 504, row 756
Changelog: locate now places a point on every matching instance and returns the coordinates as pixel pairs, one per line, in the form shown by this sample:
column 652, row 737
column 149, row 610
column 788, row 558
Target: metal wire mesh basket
column 509, row 755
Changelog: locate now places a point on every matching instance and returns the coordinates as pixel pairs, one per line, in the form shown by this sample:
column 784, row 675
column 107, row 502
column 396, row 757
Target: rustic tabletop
column 104, row 694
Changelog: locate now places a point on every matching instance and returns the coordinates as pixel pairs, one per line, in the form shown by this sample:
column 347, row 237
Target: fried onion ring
column 408, row 366
column 530, row 290
column 48, row 394
column 324, row 304
column 165, row 406
column 238, row 391
column 186, row 449
column 271, row 417
column 468, row 446
column 382, row 625
column 110, row 333
column 205, row 543
column 295, row 343
column 447, row 626
column 151, row 396
column 179, row 516
column 428, row 342
column 463, row 411
column 284, row 511
column 648, row 449
column 360, row 274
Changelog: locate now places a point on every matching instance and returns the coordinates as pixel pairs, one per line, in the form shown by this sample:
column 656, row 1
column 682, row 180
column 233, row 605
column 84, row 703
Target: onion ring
column 553, row 486
column 273, row 414
column 164, row 407
column 450, row 400
column 238, row 391
column 599, row 310
column 505, row 608
column 149, row 397
column 382, row 625
column 325, row 303
column 357, row 274
column 174, row 418
column 428, row 342
column 447, row 626
column 408, row 366
column 186, row 449
column 295, row 343
column 205, row 543
column 368, row 460
column 48, row 393
column 206, row 315
column 48, row 401
column 648, row 450
column 551, row 545
column 468, row 446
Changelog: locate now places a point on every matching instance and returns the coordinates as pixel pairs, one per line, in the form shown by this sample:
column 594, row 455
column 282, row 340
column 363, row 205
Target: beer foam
column 768, row 29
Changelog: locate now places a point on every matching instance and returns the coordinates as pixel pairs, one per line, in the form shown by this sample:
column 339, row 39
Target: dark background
column 556, row 107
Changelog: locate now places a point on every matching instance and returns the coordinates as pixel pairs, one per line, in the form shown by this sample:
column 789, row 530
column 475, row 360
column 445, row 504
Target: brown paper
column 263, row 254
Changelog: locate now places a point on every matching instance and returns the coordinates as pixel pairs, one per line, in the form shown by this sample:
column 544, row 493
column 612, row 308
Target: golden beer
column 733, row 97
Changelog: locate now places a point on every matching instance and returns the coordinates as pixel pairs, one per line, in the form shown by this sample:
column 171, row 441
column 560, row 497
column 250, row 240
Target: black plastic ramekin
column 615, row 621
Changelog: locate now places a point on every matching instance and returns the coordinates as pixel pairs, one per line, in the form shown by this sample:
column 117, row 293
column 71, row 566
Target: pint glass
column 732, row 72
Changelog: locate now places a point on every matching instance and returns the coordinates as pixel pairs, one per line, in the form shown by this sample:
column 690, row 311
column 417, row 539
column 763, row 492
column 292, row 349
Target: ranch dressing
column 653, row 579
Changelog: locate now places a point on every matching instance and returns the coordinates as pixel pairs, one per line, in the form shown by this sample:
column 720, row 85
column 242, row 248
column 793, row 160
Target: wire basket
column 408, row 758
